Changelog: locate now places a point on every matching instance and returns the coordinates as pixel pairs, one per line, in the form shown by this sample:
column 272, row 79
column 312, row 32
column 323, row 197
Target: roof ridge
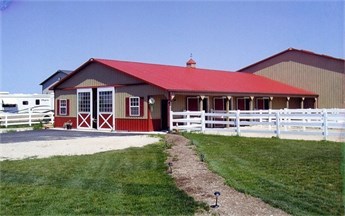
column 291, row 49
column 164, row 65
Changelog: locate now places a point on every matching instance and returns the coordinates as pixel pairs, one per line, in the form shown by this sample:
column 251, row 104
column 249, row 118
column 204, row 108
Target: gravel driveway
column 47, row 143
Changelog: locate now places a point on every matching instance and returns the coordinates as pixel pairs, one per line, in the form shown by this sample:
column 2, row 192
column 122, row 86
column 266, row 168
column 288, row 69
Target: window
column 219, row 104
column 9, row 105
column 106, row 101
column 193, row 103
column 134, row 106
column 84, row 99
column 37, row 102
column 262, row 103
column 63, row 107
column 25, row 102
column 243, row 103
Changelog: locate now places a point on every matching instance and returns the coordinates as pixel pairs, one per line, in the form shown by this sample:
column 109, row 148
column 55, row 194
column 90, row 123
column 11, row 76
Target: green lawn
column 132, row 181
column 300, row 177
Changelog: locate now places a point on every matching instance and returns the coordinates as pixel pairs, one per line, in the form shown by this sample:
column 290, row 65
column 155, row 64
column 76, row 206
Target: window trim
column 130, row 106
column 223, row 102
column 264, row 99
column 193, row 98
column 61, row 106
column 244, row 102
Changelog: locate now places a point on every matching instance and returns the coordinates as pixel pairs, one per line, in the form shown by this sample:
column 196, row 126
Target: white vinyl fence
column 30, row 118
column 323, row 122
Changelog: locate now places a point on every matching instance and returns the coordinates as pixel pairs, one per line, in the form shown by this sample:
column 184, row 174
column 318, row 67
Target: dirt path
column 192, row 176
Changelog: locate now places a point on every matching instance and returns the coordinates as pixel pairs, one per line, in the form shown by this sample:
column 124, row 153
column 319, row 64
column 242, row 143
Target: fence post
column 285, row 119
column 238, row 123
column 52, row 118
column 325, row 124
column 278, row 124
column 203, row 126
column 269, row 119
column 6, row 120
column 188, row 121
column 30, row 117
column 171, row 120
column 304, row 120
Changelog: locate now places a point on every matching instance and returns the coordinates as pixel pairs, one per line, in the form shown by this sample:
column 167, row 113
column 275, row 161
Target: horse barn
column 132, row 96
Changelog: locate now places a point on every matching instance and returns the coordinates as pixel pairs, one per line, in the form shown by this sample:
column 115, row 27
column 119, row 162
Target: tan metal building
column 134, row 96
column 324, row 75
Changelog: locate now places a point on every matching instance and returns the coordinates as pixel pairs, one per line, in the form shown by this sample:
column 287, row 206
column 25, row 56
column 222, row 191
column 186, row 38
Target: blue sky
column 40, row 37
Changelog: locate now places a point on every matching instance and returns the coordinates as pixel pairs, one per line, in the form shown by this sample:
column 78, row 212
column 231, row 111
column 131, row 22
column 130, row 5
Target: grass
column 132, row 181
column 300, row 177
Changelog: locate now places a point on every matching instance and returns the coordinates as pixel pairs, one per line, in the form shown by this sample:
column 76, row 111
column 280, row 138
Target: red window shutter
column 127, row 106
column 58, row 107
column 67, row 103
column 141, row 106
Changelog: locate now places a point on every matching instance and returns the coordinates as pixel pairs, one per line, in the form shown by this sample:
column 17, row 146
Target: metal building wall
column 322, row 75
column 97, row 75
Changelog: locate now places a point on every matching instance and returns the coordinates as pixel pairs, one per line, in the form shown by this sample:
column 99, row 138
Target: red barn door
column 105, row 108
column 84, row 108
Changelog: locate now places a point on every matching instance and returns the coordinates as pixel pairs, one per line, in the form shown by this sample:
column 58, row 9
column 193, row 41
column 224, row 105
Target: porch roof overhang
column 240, row 94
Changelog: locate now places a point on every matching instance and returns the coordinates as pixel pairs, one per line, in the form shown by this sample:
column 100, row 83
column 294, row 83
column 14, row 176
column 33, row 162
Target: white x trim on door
column 84, row 119
column 105, row 108
column 84, row 108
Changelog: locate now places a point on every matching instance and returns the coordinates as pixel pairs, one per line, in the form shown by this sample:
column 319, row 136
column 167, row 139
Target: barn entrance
column 95, row 108
column 84, row 108
column 105, row 108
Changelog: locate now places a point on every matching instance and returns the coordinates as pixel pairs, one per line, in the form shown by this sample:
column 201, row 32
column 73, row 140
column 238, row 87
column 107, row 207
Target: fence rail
column 30, row 118
column 323, row 122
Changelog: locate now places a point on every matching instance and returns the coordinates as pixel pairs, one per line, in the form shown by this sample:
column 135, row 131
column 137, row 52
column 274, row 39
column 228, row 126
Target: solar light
column 202, row 157
column 217, row 194
column 170, row 167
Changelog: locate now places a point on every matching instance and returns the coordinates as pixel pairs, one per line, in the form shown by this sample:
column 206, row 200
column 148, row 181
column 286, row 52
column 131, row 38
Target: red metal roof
column 184, row 79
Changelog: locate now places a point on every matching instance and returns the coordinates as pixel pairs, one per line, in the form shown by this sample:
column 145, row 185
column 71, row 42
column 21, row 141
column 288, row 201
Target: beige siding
column 134, row 91
column 295, row 103
column 71, row 95
column 279, row 103
column 321, row 75
column 179, row 103
column 156, row 108
column 329, row 85
column 96, row 74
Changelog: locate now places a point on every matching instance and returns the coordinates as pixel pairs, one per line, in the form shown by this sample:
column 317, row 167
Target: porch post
column 270, row 103
column 251, row 103
column 287, row 102
column 315, row 103
column 201, row 104
column 302, row 102
column 171, row 97
column 232, row 107
column 227, row 107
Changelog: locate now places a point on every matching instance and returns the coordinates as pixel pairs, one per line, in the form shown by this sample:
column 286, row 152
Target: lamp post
column 170, row 167
column 217, row 194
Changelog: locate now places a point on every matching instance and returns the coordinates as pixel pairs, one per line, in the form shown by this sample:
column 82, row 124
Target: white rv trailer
column 23, row 103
